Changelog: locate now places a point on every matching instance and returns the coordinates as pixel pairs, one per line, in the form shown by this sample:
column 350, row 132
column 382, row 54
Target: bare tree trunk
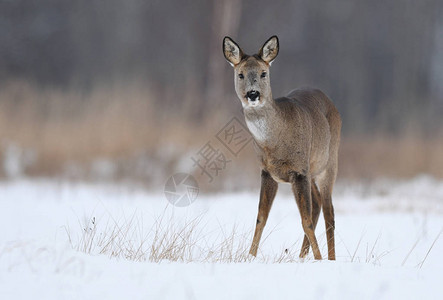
column 225, row 21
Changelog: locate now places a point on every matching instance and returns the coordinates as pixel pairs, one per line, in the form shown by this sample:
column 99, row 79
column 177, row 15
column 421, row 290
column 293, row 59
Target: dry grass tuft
column 177, row 240
column 168, row 240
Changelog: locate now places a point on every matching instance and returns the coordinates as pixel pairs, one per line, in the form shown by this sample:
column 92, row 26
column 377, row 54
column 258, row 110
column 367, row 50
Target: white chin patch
column 254, row 103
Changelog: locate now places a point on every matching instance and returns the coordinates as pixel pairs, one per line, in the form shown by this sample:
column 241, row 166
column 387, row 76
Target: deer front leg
column 301, row 186
column 267, row 194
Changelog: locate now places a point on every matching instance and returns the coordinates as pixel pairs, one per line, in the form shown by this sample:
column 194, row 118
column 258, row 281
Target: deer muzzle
column 253, row 96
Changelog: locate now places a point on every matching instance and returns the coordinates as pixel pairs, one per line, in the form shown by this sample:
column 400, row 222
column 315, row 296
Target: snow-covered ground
column 389, row 244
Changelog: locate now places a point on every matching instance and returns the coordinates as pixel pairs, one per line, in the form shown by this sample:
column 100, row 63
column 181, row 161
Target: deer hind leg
column 316, row 207
column 326, row 182
column 301, row 186
column 328, row 212
column 267, row 194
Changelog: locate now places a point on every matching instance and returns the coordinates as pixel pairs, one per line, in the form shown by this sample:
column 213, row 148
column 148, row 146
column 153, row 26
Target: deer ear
column 233, row 53
column 269, row 50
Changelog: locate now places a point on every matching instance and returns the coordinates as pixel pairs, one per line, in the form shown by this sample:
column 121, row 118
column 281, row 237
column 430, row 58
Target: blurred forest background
column 131, row 90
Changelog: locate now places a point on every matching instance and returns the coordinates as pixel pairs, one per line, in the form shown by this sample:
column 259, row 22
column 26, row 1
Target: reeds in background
column 119, row 132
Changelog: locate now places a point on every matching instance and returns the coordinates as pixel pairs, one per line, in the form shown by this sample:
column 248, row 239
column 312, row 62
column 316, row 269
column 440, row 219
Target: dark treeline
column 380, row 61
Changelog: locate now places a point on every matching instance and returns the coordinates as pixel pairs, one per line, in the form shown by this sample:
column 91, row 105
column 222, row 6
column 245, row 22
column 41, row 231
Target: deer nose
column 252, row 95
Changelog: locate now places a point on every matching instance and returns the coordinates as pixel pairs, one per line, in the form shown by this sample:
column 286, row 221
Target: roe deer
column 296, row 139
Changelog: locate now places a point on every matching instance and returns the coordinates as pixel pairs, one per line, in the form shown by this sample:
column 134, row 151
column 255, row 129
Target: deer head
column 251, row 72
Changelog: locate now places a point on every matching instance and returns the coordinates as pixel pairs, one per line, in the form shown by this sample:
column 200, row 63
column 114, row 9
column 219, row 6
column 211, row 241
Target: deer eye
column 241, row 76
column 263, row 75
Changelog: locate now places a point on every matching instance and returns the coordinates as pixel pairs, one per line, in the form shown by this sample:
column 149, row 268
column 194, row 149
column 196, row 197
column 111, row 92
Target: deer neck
column 262, row 121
